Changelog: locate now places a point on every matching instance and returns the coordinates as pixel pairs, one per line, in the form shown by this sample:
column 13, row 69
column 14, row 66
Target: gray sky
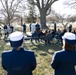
column 59, row 8
column 63, row 9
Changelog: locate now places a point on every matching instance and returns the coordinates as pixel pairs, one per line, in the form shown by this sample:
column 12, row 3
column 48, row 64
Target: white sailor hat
column 16, row 39
column 70, row 38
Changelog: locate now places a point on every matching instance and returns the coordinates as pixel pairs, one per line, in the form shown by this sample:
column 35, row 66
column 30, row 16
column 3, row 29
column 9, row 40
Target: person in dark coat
column 0, row 33
column 18, row 61
column 37, row 26
column 30, row 26
column 5, row 30
column 24, row 28
column 11, row 28
column 54, row 27
column 70, row 28
column 74, row 32
column 35, row 36
column 64, row 61
column 61, row 34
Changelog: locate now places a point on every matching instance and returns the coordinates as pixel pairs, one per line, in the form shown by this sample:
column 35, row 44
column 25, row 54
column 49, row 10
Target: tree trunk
column 21, row 21
column 8, row 19
column 9, row 22
column 43, row 19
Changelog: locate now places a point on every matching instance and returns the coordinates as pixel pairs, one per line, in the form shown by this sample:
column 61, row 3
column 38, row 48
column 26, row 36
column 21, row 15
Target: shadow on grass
column 50, row 48
column 41, row 46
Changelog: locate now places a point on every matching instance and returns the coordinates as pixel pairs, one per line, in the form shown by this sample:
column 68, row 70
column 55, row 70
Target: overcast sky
column 62, row 9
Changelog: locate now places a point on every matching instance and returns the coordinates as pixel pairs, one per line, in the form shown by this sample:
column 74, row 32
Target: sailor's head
column 70, row 38
column 16, row 39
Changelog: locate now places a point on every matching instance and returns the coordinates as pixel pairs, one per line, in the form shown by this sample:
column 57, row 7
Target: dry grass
column 43, row 55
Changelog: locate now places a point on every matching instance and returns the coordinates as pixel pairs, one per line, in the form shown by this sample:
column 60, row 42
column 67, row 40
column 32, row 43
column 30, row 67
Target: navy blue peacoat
column 64, row 62
column 21, row 62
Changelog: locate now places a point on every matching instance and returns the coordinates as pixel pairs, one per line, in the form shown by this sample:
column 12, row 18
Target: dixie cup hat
column 70, row 38
column 16, row 39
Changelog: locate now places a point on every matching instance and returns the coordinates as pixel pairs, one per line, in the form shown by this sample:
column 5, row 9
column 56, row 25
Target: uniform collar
column 21, row 49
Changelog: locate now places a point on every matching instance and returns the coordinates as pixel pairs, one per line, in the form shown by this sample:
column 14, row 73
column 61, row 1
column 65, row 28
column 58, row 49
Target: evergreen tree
column 32, row 15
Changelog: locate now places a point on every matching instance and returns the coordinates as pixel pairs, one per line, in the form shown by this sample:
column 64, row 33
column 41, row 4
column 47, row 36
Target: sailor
column 64, row 61
column 18, row 61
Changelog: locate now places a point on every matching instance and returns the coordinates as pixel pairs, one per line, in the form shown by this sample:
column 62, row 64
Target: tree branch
column 14, row 10
column 50, row 3
column 71, row 4
column 3, row 5
column 11, row 4
column 38, row 4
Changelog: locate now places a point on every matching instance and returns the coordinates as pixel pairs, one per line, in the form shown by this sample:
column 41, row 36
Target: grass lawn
column 43, row 55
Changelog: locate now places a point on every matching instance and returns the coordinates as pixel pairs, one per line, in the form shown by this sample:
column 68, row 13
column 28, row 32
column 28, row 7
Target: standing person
column 70, row 28
column 30, row 26
column 74, row 32
column 64, row 61
column 5, row 30
column 11, row 28
column 18, row 61
column 62, row 33
column 54, row 27
column 37, row 26
column 0, row 33
column 24, row 28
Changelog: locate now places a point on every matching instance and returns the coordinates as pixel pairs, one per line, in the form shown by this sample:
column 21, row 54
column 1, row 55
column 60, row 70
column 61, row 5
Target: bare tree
column 70, row 3
column 61, row 18
column 10, row 7
column 44, row 7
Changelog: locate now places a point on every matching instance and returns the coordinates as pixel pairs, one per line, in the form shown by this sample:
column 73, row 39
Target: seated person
column 35, row 36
